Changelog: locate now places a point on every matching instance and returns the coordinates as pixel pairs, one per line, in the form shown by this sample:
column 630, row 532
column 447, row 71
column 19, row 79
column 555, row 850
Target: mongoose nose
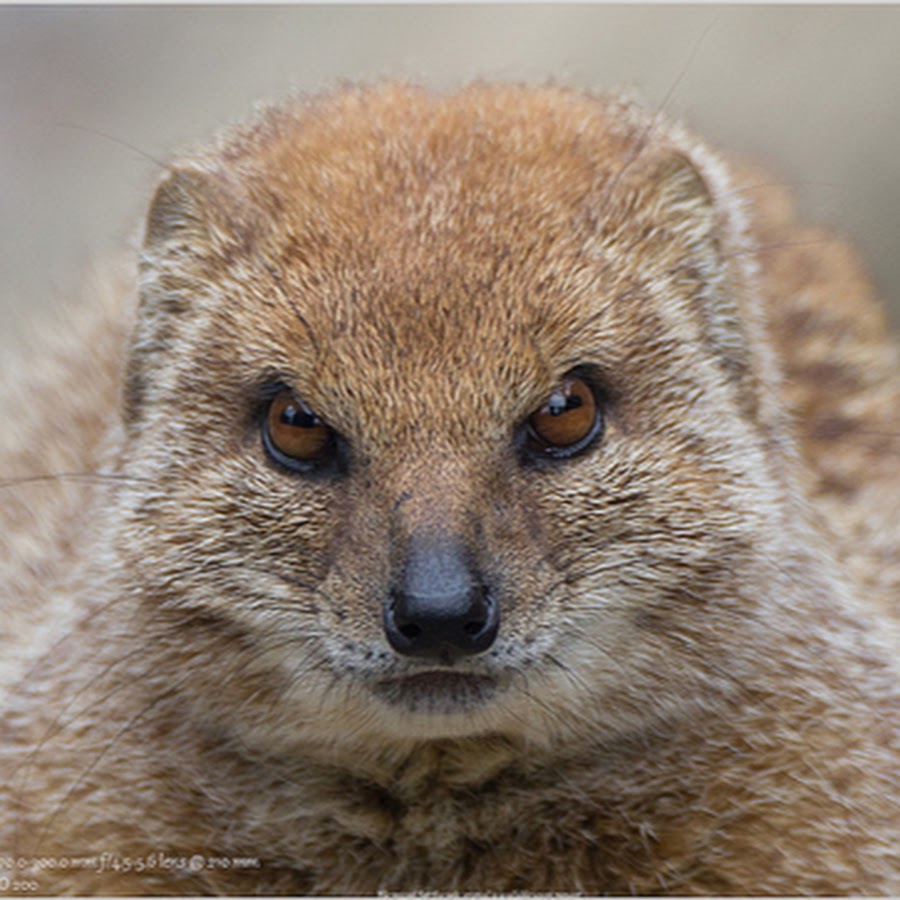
column 441, row 626
column 440, row 610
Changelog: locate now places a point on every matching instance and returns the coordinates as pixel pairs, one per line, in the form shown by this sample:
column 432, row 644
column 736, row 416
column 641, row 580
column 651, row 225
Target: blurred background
column 90, row 96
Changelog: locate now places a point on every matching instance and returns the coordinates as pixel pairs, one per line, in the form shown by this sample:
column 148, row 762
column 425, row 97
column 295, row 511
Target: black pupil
column 298, row 417
column 559, row 403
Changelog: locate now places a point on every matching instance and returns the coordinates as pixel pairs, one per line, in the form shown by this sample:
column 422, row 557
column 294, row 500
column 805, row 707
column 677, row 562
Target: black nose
column 440, row 610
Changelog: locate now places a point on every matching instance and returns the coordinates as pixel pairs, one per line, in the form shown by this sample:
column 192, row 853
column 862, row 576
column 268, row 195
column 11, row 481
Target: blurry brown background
column 813, row 92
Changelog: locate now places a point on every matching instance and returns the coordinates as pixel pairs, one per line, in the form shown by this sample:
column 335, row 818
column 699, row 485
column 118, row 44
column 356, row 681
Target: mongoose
column 470, row 492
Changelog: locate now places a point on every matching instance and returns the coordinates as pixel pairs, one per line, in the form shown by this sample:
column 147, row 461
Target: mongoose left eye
column 567, row 422
column 294, row 435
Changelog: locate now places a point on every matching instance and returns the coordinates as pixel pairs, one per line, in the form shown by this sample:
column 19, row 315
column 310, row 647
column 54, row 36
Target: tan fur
column 695, row 676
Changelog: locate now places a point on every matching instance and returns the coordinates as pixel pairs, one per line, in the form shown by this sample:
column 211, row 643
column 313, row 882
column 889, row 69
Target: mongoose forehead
column 469, row 518
column 475, row 234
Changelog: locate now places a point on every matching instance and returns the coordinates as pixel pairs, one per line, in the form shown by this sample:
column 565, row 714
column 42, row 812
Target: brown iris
column 568, row 420
column 293, row 431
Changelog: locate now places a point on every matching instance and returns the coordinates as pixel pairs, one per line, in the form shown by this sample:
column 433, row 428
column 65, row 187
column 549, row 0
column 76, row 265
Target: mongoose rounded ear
column 695, row 200
column 183, row 208
column 683, row 192
column 189, row 231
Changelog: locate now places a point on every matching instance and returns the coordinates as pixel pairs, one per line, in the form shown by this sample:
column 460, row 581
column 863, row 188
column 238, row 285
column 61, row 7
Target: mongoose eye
column 567, row 422
column 293, row 434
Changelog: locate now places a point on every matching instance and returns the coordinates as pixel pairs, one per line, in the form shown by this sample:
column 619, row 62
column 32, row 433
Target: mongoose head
column 452, row 419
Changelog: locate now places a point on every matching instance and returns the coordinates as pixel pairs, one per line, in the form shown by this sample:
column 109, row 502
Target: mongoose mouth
column 436, row 691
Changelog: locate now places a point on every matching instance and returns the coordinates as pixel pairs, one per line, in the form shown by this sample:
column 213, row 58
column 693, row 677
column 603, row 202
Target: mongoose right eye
column 567, row 423
column 294, row 435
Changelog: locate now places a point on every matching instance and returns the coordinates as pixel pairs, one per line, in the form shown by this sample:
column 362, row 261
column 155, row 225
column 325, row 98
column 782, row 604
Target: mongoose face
column 449, row 421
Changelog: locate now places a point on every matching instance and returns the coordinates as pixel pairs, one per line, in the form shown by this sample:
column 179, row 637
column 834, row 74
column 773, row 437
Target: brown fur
column 696, row 677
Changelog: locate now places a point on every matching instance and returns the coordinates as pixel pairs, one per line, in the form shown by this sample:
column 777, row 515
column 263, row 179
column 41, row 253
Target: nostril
column 481, row 629
column 410, row 631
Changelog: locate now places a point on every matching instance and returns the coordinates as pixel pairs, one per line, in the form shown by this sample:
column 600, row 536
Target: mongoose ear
column 191, row 228
column 697, row 203
column 683, row 193
column 184, row 208
column 189, row 231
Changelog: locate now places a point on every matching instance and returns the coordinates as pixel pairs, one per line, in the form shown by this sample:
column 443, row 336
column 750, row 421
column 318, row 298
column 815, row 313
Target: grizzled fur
column 694, row 686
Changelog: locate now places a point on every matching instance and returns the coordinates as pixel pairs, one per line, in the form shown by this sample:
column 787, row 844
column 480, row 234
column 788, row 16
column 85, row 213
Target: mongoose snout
column 441, row 610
